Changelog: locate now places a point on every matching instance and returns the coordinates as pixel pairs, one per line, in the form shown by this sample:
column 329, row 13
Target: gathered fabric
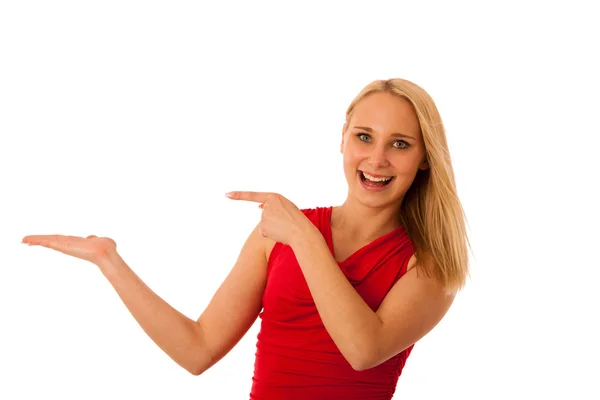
column 295, row 355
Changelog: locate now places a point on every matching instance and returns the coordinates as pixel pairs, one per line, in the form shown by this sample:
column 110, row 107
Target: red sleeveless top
column 296, row 358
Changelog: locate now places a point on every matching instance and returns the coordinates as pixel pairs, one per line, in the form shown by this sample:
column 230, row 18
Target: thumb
column 112, row 241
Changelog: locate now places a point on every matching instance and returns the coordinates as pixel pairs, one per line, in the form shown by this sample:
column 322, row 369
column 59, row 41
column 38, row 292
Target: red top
column 296, row 358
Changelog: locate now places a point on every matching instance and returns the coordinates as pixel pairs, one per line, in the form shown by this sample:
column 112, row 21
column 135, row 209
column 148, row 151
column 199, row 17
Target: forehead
column 386, row 113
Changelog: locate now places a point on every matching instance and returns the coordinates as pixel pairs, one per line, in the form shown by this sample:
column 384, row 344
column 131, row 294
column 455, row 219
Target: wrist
column 110, row 262
column 306, row 235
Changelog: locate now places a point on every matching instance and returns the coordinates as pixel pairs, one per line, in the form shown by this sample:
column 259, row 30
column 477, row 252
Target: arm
column 414, row 306
column 197, row 345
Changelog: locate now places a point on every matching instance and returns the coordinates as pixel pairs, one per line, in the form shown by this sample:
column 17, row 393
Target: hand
column 91, row 248
column 281, row 220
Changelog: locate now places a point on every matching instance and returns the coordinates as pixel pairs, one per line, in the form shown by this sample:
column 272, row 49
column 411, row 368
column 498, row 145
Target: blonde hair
column 431, row 211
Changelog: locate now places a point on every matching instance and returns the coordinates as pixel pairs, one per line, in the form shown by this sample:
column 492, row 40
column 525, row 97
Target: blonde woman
column 343, row 292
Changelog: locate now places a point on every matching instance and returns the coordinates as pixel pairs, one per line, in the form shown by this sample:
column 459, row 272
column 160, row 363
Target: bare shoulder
column 426, row 265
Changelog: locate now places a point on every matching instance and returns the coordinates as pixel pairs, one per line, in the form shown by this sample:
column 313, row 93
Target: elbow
column 366, row 356
column 361, row 365
column 358, row 367
column 364, row 351
column 196, row 371
column 368, row 360
column 362, row 361
column 199, row 365
column 198, row 368
column 201, row 359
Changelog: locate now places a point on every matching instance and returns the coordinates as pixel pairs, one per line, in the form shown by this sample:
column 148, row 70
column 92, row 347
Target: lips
column 379, row 182
column 375, row 175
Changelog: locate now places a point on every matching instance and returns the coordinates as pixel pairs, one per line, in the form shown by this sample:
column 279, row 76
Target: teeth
column 372, row 178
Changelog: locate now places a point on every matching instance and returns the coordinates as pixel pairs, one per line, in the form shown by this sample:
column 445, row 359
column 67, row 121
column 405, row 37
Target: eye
column 399, row 144
column 402, row 144
column 363, row 137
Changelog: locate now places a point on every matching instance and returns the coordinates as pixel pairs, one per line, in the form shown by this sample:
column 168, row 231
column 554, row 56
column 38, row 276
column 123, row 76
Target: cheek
column 352, row 160
column 347, row 163
column 353, row 153
column 406, row 163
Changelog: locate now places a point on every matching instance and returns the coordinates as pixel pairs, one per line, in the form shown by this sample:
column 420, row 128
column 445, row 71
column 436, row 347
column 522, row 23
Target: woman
column 343, row 292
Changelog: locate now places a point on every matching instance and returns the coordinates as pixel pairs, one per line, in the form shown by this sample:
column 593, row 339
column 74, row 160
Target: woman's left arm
column 414, row 305
column 412, row 308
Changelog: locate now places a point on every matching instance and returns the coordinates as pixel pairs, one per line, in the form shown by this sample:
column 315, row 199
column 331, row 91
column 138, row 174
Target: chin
column 379, row 203
column 375, row 200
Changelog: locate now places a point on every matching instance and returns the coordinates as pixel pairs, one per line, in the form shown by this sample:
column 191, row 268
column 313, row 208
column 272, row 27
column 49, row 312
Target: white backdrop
column 131, row 119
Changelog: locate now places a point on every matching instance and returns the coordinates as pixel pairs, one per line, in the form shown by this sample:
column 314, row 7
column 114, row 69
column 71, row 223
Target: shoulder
column 309, row 211
column 319, row 216
column 428, row 267
column 314, row 211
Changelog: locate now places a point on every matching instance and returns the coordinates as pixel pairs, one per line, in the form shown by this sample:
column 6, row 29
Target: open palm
column 91, row 248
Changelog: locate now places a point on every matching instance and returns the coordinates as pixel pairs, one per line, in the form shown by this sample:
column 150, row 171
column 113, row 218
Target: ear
column 424, row 165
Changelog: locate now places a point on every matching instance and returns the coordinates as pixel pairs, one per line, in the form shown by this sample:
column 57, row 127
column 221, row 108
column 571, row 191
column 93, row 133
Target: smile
column 374, row 182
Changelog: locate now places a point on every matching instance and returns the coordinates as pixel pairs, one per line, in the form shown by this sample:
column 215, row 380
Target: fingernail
column 229, row 194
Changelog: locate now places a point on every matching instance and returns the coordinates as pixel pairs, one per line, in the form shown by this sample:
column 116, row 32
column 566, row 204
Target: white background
column 132, row 119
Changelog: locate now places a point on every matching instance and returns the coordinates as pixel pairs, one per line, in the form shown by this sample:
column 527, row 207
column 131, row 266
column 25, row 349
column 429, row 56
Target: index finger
column 258, row 197
column 37, row 238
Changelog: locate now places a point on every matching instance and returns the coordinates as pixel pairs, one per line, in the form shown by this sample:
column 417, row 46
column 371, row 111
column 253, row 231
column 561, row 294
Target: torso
column 296, row 357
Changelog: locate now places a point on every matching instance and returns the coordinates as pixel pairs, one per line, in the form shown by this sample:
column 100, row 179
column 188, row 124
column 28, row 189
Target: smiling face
column 383, row 150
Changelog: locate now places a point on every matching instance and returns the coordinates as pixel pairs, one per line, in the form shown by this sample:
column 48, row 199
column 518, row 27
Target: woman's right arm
column 197, row 345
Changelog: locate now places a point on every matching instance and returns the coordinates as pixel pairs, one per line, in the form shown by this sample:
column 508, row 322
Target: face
column 383, row 150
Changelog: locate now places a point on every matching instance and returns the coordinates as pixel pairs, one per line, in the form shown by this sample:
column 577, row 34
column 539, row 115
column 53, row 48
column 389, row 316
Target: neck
column 364, row 223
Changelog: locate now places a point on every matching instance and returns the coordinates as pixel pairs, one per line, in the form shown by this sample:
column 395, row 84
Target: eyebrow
column 366, row 128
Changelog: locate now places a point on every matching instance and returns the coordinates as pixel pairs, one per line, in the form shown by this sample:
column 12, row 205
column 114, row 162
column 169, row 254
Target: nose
column 378, row 157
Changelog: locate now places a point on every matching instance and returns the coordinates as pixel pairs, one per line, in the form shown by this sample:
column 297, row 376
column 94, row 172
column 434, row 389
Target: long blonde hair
column 431, row 211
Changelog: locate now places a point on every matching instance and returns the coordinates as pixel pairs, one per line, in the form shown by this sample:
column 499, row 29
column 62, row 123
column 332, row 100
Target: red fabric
column 296, row 358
